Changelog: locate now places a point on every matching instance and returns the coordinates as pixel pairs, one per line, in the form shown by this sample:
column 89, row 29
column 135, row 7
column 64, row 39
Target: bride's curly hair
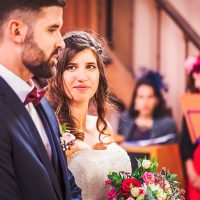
column 76, row 42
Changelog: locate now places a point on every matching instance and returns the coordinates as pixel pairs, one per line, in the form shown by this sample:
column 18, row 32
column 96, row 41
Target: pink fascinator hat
column 192, row 64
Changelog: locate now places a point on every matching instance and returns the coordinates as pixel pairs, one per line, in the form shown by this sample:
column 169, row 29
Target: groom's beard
column 34, row 59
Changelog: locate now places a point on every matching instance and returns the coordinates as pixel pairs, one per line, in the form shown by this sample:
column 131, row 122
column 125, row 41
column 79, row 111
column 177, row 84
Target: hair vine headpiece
column 192, row 64
column 153, row 77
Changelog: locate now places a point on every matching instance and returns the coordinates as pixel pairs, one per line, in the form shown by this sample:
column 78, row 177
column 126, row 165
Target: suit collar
column 19, row 86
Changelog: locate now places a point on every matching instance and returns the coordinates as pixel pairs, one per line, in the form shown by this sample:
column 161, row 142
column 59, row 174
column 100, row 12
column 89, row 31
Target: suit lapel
column 56, row 134
column 15, row 104
column 49, row 135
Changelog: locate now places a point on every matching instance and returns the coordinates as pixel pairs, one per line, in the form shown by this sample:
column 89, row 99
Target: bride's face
column 81, row 76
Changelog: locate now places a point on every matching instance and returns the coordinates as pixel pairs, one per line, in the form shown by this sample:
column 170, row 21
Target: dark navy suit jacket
column 26, row 172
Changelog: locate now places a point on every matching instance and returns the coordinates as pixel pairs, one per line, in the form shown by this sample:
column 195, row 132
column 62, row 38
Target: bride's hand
column 78, row 146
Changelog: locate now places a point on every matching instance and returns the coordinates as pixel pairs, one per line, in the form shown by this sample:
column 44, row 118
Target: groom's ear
column 17, row 30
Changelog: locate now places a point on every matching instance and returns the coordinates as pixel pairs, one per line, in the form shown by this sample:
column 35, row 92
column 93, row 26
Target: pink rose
column 108, row 182
column 112, row 194
column 148, row 178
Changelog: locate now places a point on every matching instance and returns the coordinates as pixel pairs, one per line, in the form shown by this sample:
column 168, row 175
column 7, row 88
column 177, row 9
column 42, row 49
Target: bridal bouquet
column 145, row 183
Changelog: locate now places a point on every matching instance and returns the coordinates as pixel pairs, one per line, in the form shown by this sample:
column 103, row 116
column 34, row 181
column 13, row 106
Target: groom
column 32, row 164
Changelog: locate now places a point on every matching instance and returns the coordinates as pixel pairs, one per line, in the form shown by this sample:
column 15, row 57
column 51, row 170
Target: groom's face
column 43, row 42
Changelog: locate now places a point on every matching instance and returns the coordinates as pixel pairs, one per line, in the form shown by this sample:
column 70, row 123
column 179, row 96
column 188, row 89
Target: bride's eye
column 91, row 66
column 70, row 67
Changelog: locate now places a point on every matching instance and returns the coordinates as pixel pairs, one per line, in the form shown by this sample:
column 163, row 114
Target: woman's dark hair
column 76, row 42
column 160, row 110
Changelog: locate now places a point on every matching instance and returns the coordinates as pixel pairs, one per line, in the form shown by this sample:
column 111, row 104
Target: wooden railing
column 180, row 21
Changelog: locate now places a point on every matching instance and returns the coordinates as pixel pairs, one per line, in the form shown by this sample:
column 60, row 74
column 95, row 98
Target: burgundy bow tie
column 35, row 96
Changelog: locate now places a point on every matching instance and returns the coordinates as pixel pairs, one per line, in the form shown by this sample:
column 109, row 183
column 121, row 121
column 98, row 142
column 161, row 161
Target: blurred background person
column 148, row 117
column 191, row 151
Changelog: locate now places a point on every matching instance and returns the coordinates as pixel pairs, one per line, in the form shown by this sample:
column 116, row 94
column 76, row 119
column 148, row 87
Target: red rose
column 125, row 188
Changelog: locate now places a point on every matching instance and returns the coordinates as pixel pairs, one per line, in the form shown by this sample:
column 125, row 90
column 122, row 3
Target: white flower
column 144, row 186
column 146, row 164
column 153, row 187
column 140, row 197
column 161, row 195
column 135, row 191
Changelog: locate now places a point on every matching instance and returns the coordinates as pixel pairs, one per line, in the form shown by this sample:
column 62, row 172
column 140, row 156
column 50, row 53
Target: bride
column 79, row 84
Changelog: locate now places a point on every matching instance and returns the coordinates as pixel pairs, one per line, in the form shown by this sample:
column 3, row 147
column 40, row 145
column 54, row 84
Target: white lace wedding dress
column 91, row 167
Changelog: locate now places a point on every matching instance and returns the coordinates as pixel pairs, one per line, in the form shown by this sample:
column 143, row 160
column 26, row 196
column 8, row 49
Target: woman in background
column 148, row 118
column 191, row 151
column 79, row 83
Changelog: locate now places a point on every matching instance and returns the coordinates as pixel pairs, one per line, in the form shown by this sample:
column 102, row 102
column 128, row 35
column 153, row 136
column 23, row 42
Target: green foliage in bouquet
column 145, row 165
column 116, row 179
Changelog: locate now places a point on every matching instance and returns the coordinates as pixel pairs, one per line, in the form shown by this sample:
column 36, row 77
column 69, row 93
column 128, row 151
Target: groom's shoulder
column 48, row 108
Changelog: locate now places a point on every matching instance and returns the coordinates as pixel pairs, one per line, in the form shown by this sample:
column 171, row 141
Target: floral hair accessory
column 192, row 64
column 152, row 77
column 144, row 183
column 67, row 139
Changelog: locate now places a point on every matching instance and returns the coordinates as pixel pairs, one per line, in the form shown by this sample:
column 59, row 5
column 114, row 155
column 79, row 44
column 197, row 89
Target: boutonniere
column 67, row 139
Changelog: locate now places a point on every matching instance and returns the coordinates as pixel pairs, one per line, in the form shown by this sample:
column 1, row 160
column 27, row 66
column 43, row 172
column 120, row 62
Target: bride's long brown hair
column 76, row 42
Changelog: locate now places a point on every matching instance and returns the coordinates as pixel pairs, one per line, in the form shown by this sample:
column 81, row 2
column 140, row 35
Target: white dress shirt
column 21, row 88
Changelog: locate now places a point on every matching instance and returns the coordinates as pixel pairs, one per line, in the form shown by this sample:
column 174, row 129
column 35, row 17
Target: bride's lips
column 81, row 87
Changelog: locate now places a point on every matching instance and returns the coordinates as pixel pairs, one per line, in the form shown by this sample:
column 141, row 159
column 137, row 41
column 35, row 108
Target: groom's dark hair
column 7, row 7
